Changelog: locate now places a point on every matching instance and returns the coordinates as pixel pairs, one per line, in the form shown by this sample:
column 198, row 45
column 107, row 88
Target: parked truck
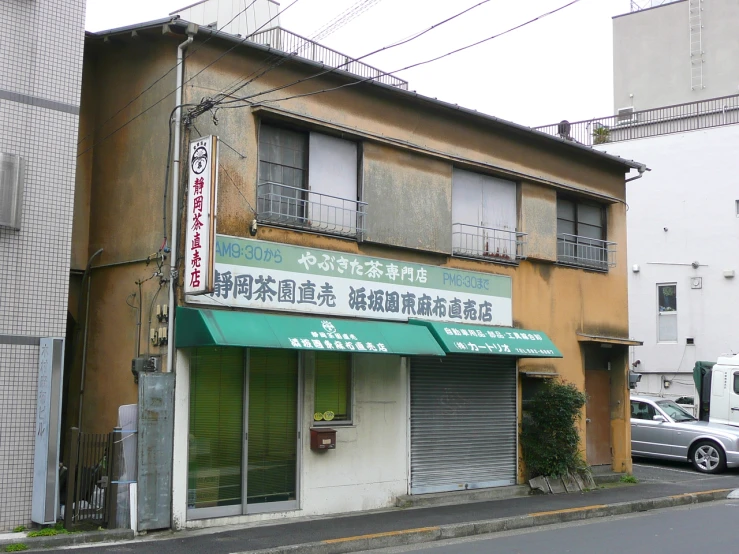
column 718, row 390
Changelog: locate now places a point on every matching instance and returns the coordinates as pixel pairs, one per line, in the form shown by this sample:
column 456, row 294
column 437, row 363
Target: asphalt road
column 698, row 528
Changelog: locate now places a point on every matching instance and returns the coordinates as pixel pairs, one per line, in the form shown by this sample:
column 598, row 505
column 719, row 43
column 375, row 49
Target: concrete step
column 461, row 497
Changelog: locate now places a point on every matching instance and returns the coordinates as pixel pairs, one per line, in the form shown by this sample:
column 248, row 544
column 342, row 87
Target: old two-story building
column 368, row 282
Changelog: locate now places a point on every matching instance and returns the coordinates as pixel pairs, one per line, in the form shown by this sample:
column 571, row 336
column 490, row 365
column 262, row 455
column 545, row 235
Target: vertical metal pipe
column 87, row 275
column 175, row 200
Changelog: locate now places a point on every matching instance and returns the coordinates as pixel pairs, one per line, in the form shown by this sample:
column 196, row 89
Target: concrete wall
column 118, row 207
column 651, row 55
column 684, row 210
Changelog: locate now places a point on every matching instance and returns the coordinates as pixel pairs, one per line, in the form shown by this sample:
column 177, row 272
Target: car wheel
column 708, row 457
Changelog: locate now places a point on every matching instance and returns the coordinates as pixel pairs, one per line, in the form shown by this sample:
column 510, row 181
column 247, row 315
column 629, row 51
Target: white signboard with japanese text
column 201, row 213
column 270, row 276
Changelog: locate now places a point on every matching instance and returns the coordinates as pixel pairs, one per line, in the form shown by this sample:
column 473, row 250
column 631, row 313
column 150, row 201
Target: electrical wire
column 507, row 31
column 96, row 143
column 333, row 69
column 352, row 12
column 160, row 78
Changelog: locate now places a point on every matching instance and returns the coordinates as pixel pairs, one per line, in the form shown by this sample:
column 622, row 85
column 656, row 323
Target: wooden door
column 598, row 417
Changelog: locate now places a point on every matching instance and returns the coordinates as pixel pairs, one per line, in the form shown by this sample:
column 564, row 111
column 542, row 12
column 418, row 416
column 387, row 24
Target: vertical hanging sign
column 201, row 214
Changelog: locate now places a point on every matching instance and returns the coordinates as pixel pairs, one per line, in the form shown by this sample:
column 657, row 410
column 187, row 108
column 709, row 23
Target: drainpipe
column 84, row 340
column 641, row 169
column 175, row 195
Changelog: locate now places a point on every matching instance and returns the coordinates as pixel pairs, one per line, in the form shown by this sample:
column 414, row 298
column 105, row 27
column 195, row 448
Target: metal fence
column 88, row 478
column 629, row 125
column 292, row 43
column 585, row 252
column 487, row 243
column 287, row 206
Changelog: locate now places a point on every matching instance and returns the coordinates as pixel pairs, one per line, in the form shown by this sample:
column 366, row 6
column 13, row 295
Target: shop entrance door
column 271, row 482
column 598, row 417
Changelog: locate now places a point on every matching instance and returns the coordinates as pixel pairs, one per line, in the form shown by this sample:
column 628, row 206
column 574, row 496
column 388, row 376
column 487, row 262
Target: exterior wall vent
column 626, row 115
column 12, row 169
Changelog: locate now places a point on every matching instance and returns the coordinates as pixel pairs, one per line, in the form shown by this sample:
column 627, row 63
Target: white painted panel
column 480, row 201
column 332, row 171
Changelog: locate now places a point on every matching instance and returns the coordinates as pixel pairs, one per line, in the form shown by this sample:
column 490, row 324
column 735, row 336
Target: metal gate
column 85, row 484
column 463, row 422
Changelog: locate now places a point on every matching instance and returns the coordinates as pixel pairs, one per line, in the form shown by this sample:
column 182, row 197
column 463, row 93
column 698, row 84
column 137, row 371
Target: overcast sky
column 557, row 68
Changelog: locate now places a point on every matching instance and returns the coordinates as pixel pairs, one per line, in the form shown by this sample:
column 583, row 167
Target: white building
column 677, row 110
column 232, row 16
column 41, row 46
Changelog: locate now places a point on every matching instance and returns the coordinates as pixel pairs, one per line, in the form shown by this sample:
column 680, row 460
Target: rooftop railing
column 286, row 206
column 629, row 124
column 292, row 43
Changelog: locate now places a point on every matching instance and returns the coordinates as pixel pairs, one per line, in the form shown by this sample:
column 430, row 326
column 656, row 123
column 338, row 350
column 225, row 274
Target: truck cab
column 718, row 387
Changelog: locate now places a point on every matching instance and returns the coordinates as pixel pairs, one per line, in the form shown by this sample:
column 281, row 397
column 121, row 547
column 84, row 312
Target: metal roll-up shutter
column 463, row 422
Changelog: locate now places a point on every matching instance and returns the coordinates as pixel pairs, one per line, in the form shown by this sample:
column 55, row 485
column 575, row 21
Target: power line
column 342, row 19
column 339, row 21
column 507, row 31
column 147, row 89
column 185, row 82
column 388, row 47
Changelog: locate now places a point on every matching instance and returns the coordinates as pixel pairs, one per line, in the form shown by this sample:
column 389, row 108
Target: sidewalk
column 394, row 527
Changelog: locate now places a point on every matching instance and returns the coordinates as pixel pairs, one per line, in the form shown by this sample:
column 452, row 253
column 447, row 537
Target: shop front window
column 333, row 388
column 216, row 428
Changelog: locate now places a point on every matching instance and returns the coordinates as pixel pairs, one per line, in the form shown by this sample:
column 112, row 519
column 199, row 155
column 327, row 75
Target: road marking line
column 698, row 493
column 668, row 469
column 386, row 534
column 568, row 510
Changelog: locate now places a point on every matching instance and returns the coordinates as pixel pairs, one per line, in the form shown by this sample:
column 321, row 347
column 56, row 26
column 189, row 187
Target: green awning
column 195, row 327
column 458, row 338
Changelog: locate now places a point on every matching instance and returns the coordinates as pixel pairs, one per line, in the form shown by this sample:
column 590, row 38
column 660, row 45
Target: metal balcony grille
column 292, row 43
column 293, row 207
column 473, row 241
column 630, row 124
column 585, row 252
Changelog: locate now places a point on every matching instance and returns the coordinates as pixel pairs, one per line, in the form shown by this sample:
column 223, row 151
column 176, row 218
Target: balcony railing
column 292, row 43
column 629, row 125
column 497, row 245
column 585, row 252
column 293, row 207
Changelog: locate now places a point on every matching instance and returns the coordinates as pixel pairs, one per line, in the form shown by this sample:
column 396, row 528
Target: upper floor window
column 667, row 312
column 308, row 180
column 581, row 235
column 484, row 217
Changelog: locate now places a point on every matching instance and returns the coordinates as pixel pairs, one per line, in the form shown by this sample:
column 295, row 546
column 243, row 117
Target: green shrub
column 17, row 547
column 626, row 478
column 19, row 529
column 549, row 438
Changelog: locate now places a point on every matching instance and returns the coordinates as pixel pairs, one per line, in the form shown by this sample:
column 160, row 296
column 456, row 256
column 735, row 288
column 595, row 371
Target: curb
column 70, row 539
column 459, row 530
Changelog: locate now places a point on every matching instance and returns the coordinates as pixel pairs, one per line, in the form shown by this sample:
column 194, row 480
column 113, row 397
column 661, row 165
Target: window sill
column 354, row 237
column 490, row 259
column 583, row 267
column 342, row 424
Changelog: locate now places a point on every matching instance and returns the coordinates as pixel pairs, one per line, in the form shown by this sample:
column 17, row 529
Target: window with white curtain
column 308, row 179
column 484, row 215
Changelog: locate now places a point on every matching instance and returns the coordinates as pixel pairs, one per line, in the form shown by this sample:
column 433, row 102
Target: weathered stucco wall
column 409, row 197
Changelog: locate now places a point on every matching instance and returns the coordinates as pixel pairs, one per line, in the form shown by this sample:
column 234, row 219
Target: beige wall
column 407, row 143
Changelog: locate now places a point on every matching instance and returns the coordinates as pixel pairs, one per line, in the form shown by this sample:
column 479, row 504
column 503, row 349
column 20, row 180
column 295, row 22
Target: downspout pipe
column 86, row 277
column 175, row 196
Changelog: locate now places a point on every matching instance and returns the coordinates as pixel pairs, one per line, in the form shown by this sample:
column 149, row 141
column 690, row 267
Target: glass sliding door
column 272, row 440
column 216, row 439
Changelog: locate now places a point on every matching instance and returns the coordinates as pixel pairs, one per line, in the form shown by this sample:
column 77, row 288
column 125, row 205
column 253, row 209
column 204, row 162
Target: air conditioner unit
column 626, row 115
column 12, row 170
